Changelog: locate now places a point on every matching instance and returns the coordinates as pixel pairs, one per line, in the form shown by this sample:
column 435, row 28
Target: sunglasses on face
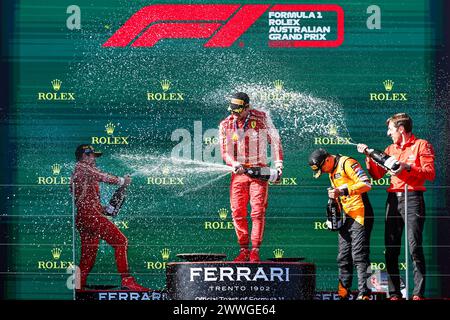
column 89, row 151
column 237, row 111
column 317, row 166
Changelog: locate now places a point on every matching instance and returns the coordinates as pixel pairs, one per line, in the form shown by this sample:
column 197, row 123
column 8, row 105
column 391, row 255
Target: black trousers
column 395, row 215
column 354, row 249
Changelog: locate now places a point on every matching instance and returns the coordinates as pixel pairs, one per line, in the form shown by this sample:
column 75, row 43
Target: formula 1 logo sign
column 296, row 25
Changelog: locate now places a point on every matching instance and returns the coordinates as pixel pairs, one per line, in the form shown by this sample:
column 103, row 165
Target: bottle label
column 109, row 209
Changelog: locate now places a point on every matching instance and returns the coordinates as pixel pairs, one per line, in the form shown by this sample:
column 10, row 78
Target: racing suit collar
column 244, row 119
column 336, row 161
column 408, row 143
column 85, row 163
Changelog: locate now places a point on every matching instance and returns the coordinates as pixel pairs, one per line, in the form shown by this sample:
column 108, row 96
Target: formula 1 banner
column 284, row 22
column 138, row 136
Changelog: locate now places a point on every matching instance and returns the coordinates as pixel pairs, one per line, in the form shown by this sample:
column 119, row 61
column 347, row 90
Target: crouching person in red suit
column 91, row 222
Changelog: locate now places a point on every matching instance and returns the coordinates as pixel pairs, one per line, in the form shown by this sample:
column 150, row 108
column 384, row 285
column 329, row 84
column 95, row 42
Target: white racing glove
column 279, row 167
column 237, row 167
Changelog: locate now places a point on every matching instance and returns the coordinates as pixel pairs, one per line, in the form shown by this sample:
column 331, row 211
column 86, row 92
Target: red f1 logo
column 223, row 24
column 172, row 28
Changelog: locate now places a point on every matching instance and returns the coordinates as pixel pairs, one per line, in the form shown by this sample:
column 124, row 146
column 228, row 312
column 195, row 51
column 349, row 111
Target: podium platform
column 228, row 280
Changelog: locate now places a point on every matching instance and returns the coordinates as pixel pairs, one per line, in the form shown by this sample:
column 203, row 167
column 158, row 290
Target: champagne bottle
column 334, row 215
column 384, row 160
column 116, row 202
column 263, row 173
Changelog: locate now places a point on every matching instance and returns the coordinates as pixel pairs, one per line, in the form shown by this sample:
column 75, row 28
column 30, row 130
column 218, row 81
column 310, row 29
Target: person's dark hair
column 401, row 119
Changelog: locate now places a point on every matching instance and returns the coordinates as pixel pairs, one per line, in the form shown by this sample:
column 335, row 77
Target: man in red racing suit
column 244, row 137
column 91, row 223
column 416, row 165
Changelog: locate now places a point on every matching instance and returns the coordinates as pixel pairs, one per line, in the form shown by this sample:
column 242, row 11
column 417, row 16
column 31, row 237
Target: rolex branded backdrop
column 140, row 102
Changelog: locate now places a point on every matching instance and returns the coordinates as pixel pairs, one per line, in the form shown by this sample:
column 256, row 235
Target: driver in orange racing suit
column 244, row 136
column 91, row 222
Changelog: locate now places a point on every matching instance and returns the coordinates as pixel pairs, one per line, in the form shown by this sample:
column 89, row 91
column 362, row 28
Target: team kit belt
column 414, row 193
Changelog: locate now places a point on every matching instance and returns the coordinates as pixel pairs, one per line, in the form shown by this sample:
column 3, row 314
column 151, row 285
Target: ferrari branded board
column 241, row 281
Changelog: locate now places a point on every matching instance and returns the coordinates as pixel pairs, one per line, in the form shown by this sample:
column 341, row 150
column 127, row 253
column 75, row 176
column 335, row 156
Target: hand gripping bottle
column 334, row 214
column 263, row 173
column 113, row 208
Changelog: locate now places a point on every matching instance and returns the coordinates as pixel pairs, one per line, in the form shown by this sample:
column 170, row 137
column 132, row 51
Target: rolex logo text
column 166, row 94
column 159, row 265
column 55, row 263
column 388, row 95
column 285, row 182
column 165, row 179
column 332, row 137
column 56, row 95
column 55, row 178
column 277, row 95
column 110, row 138
column 222, row 223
